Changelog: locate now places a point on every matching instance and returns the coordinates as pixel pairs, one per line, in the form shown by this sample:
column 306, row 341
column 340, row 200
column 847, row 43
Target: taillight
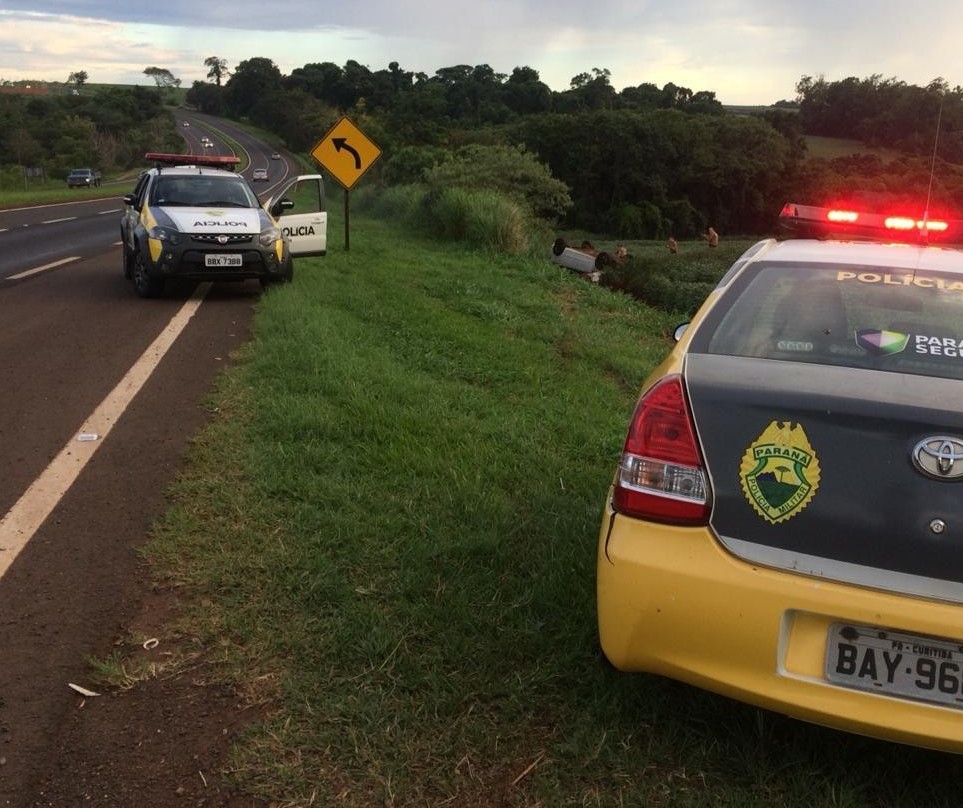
column 661, row 476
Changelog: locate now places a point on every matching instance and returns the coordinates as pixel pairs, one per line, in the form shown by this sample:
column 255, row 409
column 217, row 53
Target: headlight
column 166, row 235
column 269, row 236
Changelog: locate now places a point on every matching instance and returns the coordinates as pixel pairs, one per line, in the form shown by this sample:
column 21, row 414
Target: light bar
column 212, row 161
column 817, row 222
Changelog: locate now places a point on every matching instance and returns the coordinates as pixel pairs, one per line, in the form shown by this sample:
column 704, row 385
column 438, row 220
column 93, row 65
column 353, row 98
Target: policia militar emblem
column 779, row 472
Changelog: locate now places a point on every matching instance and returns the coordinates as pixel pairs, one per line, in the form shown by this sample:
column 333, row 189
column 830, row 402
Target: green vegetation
column 641, row 163
column 831, row 148
column 672, row 282
column 109, row 129
column 386, row 539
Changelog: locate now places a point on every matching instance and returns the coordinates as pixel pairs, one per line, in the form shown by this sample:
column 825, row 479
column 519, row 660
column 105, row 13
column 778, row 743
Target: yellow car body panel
column 672, row 601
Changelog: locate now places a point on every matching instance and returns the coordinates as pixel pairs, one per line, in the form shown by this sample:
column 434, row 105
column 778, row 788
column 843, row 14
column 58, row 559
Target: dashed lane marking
column 27, row 273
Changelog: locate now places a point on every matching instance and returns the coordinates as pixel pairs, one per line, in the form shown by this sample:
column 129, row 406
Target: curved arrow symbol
column 342, row 143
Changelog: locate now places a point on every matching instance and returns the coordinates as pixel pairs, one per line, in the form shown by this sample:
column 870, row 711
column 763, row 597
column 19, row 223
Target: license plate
column 223, row 260
column 895, row 664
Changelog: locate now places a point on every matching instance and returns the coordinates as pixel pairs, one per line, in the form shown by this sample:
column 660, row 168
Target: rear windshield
column 901, row 321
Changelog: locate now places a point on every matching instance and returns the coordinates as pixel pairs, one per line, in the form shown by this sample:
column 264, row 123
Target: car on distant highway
column 275, row 156
column 785, row 524
column 83, row 178
column 260, row 175
column 192, row 217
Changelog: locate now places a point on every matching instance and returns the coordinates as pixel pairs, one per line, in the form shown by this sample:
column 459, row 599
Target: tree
column 79, row 78
column 206, row 97
column 255, row 82
column 525, row 94
column 590, row 91
column 217, row 69
column 162, row 77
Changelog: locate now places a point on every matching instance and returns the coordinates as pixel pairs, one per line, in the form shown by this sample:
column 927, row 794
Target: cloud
column 746, row 51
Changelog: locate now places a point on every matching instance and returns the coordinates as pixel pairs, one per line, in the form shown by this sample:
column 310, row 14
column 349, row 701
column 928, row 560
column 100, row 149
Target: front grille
column 215, row 238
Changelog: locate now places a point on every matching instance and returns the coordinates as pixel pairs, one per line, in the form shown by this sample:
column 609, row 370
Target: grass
column 388, row 533
column 829, row 148
column 51, row 192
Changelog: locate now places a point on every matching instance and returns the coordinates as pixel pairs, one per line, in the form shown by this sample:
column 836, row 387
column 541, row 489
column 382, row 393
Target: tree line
column 643, row 162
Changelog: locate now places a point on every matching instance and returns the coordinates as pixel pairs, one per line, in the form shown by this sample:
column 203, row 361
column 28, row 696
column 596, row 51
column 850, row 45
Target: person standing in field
column 711, row 237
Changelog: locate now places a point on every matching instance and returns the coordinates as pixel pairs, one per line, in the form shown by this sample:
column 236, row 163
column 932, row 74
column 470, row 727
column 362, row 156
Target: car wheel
column 144, row 284
column 286, row 276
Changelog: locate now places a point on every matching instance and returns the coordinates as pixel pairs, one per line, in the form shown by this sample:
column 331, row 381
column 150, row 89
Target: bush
column 674, row 283
column 410, row 163
column 508, row 170
column 485, row 219
column 399, row 202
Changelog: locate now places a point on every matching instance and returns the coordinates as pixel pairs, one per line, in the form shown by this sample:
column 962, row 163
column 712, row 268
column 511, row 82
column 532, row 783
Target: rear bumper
column 672, row 601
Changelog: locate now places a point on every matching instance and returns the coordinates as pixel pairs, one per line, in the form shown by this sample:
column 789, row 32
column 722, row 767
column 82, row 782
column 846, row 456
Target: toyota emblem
column 940, row 457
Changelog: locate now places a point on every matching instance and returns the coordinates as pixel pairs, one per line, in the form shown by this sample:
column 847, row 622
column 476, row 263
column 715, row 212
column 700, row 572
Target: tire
column 144, row 284
column 286, row 276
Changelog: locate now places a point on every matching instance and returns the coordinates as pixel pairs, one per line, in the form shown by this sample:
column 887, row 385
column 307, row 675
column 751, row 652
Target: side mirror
column 281, row 205
column 679, row 331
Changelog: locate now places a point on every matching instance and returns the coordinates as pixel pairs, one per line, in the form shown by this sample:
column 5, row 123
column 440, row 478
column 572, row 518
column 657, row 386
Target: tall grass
column 481, row 219
column 387, row 535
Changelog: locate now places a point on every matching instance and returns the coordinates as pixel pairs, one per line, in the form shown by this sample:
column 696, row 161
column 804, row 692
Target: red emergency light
column 817, row 222
column 209, row 161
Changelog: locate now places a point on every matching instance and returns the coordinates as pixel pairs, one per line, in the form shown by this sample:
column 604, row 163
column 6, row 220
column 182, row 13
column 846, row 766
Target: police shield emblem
column 779, row 472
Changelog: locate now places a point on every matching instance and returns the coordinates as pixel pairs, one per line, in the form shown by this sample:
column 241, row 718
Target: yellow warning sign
column 346, row 152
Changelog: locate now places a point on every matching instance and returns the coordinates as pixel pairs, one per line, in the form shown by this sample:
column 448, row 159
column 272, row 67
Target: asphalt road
column 71, row 328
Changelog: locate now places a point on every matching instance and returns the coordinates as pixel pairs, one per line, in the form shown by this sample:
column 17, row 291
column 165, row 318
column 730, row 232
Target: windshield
column 903, row 321
column 203, row 191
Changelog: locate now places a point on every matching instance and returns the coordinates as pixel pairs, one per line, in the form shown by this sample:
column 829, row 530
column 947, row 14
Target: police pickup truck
column 192, row 217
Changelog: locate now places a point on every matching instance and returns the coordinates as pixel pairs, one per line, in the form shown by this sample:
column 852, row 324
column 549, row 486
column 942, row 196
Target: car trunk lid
column 812, row 470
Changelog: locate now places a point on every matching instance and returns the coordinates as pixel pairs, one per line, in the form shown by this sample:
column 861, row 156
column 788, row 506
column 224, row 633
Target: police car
column 785, row 525
column 192, row 217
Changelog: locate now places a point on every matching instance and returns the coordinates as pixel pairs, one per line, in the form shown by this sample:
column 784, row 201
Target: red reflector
column 847, row 216
column 661, row 476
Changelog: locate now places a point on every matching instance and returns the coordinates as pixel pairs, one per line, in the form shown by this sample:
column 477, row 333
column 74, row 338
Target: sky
column 748, row 52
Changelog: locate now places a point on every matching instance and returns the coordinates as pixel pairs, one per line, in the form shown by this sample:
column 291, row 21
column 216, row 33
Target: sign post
column 346, row 153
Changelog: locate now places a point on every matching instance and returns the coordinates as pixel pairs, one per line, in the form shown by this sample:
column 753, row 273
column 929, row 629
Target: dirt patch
column 160, row 743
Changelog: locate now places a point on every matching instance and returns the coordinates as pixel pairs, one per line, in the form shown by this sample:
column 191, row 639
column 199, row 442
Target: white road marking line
column 58, row 221
column 20, row 523
column 44, row 268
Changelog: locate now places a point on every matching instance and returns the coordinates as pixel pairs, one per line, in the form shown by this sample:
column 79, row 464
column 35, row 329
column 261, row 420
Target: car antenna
column 929, row 190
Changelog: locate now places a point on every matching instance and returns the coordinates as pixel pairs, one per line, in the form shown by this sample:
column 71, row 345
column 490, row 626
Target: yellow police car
column 785, row 525
column 192, row 217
